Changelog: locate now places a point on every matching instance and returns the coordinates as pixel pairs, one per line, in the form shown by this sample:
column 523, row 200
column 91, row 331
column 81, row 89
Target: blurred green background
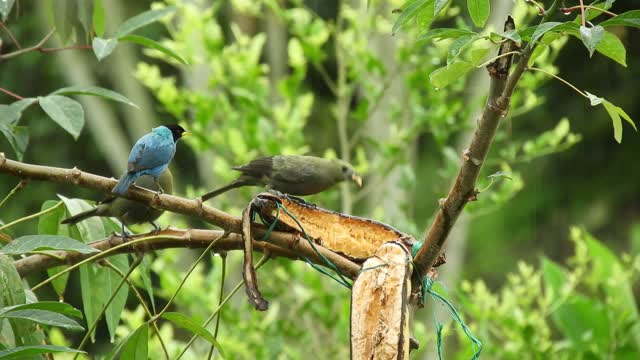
column 326, row 77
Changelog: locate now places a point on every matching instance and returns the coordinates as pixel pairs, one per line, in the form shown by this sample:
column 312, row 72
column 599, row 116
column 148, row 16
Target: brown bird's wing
column 257, row 168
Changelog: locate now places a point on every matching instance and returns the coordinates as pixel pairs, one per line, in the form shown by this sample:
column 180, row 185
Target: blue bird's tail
column 122, row 186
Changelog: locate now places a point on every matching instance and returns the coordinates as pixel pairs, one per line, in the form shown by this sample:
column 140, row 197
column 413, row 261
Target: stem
column 573, row 8
column 71, row 47
column 17, row 188
column 560, row 79
column 540, row 8
column 498, row 57
column 223, row 257
column 29, row 49
column 6, row 29
column 193, row 267
column 144, row 305
column 135, row 264
column 584, row 21
column 29, row 217
column 12, row 94
column 261, row 262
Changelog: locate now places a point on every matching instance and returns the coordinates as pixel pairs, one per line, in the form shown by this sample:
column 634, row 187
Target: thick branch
column 463, row 190
column 293, row 243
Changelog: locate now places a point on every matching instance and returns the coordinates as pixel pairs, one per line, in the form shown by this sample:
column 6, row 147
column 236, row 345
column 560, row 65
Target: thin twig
column 568, row 10
column 144, row 306
column 29, row 49
column 17, row 188
column 71, row 47
column 223, row 271
column 184, row 280
column 259, row 264
column 6, row 29
column 135, row 264
column 560, row 79
column 12, row 94
column 540, row 8
column 498, row 57
column 584, row 21
column 32, row 216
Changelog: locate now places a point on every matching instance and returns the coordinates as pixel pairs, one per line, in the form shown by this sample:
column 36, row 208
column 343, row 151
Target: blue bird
column 151, row 156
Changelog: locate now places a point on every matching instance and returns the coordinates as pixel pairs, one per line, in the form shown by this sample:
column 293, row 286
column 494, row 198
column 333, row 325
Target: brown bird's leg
column 156, row 228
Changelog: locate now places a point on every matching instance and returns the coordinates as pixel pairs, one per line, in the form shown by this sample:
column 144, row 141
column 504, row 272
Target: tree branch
column 502, row 86
column 279, row 243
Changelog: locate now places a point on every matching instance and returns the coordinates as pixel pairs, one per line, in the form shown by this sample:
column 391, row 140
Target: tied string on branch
column 427, row 288
column 340, row 278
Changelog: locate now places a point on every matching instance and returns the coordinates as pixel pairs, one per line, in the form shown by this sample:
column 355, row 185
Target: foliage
column 585, row 310
column 324, row 98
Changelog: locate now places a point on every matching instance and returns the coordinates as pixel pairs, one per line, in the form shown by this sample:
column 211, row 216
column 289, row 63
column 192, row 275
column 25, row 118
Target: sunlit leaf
column 53, row 306
column 446, row 75
column 42, row 317
column 151, row 44
column 189, row 324
column 134, row 346
column 479, row 11
column 444, row 33
column 98, row 17
column 410, row 10
column 615, row 118
column 140, row 20
column 543, row 29
column 458, row 46
column 439, row 5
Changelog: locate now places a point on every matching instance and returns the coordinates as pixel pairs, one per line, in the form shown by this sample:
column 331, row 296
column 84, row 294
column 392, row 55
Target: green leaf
column 554, row 278
column 90, row 229
column 32, row 350
column 64, row 12
column 629, row 18
column 49, row 224
column 584, row 322
column 510, row 34
column 151, row 44
column 615, row 118
column 5, row 8
column 501, row 174
column 444, row 33
column 611, row 47
column 591, row 37
column 85, row 15
column 8, row 115
column 18, row 137
column 135, row 344
column 65, row 111
column 95, row 91
column 11, row 291
column 543, row 29
column 145, row 275
column 98, row 17
column 446, row 75
column 439, row 5
column 109, row 281
column 410, row 10
column 615, row 113
column 30, row 243
column 42, row 317
column 103, row 47
column 458, row 46
column 479, row 11
column 189, row 324
column 53, row 306
column 140, row 20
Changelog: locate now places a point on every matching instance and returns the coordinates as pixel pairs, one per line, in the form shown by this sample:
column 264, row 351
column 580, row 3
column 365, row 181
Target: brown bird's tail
column 242, row 181
column 81, row 216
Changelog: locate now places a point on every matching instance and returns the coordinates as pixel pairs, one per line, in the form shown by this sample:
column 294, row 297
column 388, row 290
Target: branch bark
column 502, row 86
column 286, row 244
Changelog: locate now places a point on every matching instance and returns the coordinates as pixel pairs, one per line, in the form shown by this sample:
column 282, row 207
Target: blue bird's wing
column 151, row 151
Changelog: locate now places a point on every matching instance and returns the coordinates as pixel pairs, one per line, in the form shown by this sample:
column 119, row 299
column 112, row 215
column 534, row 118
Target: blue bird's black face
column 177, row 131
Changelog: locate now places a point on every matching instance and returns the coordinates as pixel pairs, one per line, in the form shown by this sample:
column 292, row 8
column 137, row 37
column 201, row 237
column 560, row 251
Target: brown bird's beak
column 356, row 179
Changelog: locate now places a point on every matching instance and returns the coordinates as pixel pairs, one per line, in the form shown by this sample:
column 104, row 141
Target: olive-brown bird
column 291, row 174
column 129, row 212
